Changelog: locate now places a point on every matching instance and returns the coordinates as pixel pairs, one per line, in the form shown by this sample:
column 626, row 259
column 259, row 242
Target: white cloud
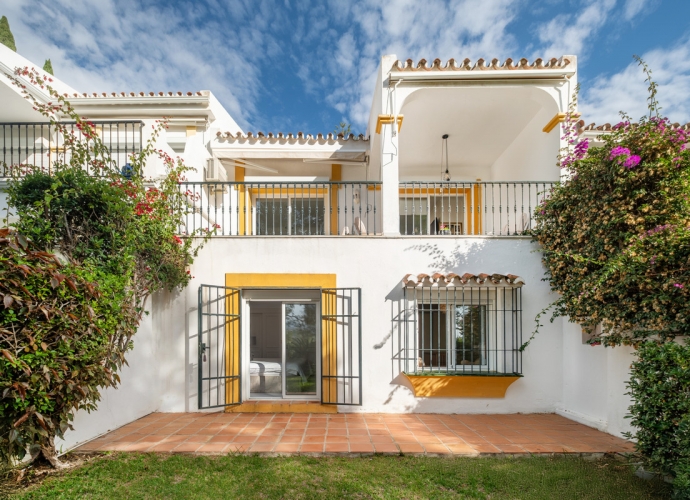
column 570, row 33
column 633, row 8
column 627, row 90
column 123, row 45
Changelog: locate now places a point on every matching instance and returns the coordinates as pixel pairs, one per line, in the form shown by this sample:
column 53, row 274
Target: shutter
column 219, row 346
column 341, row 346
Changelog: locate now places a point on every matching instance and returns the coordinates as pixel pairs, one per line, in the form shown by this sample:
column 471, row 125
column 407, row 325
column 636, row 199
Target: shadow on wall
column 468, row 256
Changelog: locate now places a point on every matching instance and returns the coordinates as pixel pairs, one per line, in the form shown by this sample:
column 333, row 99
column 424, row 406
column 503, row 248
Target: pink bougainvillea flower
column 678, row 285
column 631, row 161
column 618, row 151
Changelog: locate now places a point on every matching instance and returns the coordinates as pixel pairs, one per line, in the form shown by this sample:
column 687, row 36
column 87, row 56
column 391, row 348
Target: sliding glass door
column 300, row 354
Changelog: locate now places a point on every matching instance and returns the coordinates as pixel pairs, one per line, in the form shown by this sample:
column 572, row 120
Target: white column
column 390, row 179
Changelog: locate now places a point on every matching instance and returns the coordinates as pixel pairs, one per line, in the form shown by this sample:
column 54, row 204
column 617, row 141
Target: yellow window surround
column 558, row 118
column 387, row 120
column 329, row 355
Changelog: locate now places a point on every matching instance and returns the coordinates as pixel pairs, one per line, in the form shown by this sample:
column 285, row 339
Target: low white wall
column 594, row 382
column 136, row 396
column 377, row 265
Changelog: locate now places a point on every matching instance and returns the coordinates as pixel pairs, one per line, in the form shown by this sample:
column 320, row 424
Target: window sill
column 457, row 385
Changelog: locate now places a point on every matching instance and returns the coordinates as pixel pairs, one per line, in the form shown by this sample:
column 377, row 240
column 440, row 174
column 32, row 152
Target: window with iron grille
column 471, row 328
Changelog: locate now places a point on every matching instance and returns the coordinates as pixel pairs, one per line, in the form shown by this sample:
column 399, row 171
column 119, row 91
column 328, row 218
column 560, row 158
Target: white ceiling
column 481, row 123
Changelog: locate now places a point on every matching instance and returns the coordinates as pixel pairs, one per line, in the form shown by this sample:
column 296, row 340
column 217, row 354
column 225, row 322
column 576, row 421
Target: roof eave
column 538, row 74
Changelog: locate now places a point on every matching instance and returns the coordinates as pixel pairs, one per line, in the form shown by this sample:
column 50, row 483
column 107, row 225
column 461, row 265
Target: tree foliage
column 48, row 67
column 660, row 389
column 6, row 37
column 615, row 235
column 119, row 238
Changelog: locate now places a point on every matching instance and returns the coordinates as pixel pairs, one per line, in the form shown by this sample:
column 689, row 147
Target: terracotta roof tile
column 101, row 95
column 455, row 280
column 480, row 65
column 271, row 137
column 607, row 127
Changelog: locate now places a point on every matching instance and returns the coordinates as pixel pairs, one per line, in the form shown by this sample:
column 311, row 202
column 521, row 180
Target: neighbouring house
column 386, row 272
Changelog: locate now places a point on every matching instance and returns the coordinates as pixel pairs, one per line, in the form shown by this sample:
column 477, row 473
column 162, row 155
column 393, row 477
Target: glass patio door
column 300, row 357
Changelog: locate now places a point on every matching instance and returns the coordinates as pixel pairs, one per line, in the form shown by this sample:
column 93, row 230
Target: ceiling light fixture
column 444, row 151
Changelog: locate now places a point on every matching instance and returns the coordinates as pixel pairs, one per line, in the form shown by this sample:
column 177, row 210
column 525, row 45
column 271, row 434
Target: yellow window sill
column 460, row 386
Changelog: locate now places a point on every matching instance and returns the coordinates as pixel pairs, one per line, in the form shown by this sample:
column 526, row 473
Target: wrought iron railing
column 42, row 145
column 470, row 208
column 283, row 208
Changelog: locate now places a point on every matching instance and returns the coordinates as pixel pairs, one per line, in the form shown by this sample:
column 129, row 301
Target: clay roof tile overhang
column 481, row 70
column 607, row 127
column 280, row 137
column 450, row 280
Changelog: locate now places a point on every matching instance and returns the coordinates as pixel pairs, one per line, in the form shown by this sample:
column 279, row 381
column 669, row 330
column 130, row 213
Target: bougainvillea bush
column 97, row 242
column 615, row 235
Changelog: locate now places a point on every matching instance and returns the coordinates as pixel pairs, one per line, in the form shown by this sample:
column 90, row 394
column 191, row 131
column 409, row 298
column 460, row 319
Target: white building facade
column 387, row 272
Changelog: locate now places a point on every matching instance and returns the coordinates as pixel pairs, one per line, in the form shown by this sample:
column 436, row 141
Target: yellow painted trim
column 386, row 120
column 283, row 280
column 279, row 280
column 191, row 130
column 245, row 212
column 460, row 386
column 558, row 118
column 282, row 406
column 233, row 334
column 336, row 175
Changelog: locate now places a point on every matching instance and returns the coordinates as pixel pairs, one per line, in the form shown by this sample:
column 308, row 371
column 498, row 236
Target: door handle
column 203, row 351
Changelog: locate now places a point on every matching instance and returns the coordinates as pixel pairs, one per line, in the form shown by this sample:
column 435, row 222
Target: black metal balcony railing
column 470, row 208
column 41, row 145
column 283, row 208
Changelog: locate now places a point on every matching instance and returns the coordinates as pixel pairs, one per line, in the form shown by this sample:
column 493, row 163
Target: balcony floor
column 416, row 434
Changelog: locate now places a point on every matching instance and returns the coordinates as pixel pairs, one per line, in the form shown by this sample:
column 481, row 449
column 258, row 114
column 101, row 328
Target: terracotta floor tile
column 314, row 439
column 337, row 448
column 510, row 448
column 337, row 432
column 212, row 448
column 244, row 439
column 358, row 432
column 381, row 439
column 336, row 439
column 187, row 447
column 164, row 447
column 311, row 448
column 290, row 439
column 268, row 439
column 359, row 439
column 197, row 439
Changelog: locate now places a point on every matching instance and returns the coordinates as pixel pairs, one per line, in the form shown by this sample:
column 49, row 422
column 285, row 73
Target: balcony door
column 292, row 215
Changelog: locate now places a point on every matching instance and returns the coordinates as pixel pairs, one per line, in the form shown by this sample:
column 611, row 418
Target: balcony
column 469, row 208
column 41, row 145
column 284, row 208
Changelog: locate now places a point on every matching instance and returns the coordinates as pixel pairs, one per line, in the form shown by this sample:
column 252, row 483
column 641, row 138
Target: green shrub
column 56, row 327
column 66, row 329
column 660, row 389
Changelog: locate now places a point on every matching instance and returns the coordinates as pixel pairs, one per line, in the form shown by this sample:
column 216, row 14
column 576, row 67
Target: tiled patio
column 285, row 433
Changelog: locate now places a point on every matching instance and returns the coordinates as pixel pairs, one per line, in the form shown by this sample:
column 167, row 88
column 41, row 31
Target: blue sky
column 303, row 65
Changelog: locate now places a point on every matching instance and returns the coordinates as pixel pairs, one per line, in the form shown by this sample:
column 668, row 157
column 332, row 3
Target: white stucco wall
column 136, row 396
column 594, row 382
column 377, row 265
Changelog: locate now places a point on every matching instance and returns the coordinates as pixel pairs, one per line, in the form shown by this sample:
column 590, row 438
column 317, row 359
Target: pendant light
column 444, row 152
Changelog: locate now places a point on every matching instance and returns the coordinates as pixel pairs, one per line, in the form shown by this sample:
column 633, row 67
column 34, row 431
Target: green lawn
column 185, row 476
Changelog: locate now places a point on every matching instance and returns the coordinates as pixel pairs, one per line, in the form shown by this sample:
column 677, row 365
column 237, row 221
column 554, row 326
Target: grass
column 126, row 476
